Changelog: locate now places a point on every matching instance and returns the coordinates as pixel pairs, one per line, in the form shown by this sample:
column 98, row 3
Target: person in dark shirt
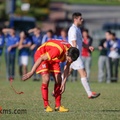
column 103, row 62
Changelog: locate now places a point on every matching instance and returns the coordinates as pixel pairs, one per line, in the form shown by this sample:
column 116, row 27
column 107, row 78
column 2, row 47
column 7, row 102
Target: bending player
column 47, row 60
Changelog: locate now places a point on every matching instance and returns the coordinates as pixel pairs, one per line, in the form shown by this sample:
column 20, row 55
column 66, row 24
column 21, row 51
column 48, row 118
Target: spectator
column 103, row 61
column 12, row 42
column 49, row 35
column 113, row 54
column 36, row 42
column 23, row 53
column 63, row 36
column 86, row 53
column 2, row 41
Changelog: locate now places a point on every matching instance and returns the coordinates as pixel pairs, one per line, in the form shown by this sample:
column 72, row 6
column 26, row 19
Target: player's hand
column 62, row 88
column 9, row 48
column 27, row 76
column 20, row 47
column 91, row 48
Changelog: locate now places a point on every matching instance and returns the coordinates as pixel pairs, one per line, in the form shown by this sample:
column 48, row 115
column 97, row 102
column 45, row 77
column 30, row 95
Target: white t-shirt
column 74, row 33
column 114, row 53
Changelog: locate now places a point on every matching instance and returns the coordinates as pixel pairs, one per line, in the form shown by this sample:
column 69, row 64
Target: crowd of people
column 27, row 43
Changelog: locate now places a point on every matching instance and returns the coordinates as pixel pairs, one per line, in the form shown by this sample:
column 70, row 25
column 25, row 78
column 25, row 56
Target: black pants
column 114, row 64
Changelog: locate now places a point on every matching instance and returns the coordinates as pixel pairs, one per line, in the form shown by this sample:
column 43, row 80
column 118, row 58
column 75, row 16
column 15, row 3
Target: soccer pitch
column 29, row 106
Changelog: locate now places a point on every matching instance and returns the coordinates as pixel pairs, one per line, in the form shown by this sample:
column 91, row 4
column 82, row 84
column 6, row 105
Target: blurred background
column 99, row 15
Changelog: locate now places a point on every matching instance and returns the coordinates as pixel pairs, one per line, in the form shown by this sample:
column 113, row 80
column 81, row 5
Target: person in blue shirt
column 23, row 53
column 11, row 43
column 2, row 41
column 113, row 54
column 63, row 36
column 36, row 42
column 48, row 36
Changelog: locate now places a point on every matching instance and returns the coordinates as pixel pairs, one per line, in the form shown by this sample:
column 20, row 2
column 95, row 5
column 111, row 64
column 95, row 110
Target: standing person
column 48, row 36
column 86, row 53
column 2, row 41
column 103, row 61
column 23, row 53
column 12, row 42
column 63, row 36
column 75, row 39
column 113, row 54
column 36, row 42
column 47, row 59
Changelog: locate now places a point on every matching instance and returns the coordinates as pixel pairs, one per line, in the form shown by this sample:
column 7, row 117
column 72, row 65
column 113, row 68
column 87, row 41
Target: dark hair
column 50, row 31
column 76, row 15
column 109, row 31
column 85, row 30
column 73, row 52
column 113, row 34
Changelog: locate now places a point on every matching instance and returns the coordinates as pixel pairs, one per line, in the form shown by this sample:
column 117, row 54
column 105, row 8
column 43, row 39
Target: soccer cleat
column 61, row 109
column 94, row 95
column 48, row 109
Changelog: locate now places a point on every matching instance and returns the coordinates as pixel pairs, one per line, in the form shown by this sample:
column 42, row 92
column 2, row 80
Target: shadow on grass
column 110, row 110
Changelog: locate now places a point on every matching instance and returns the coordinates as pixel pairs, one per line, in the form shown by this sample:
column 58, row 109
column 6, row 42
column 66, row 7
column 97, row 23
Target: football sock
column 86, row 86
column 44, row 89
column 57, row 95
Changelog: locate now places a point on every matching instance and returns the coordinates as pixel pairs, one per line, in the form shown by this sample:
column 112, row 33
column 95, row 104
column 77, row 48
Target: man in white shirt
column 75, row 39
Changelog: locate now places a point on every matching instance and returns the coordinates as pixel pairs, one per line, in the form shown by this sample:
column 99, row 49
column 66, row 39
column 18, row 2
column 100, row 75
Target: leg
column 86, row 85
column 84, row 81
column 57, row 94
column 108, row 70
column 58, row 80
column 116, row 64
column 12, row 57
column 101, row 68
column 88, row 66
column 44, row 89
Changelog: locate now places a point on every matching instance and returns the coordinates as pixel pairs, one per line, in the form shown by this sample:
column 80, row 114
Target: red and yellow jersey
column 55, row 49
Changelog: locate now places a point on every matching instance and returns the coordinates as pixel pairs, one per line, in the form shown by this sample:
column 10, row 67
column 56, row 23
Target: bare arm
column 35, row 66
column 74, row 43
column 6, row 30
column 31, row 30
column 65, row 76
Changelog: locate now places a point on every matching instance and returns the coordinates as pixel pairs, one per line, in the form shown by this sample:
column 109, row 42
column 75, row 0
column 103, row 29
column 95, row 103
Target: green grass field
column 91, row 2
column 106, row 107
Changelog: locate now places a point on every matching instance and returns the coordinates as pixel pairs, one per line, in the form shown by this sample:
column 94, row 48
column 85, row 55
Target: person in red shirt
column 86, row 53
column 47, row 60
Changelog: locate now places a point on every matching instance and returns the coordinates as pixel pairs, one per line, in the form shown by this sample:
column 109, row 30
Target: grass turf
column 106, row 107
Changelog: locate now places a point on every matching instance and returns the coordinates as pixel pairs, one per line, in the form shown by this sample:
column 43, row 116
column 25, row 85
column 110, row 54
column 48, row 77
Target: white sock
column 86, row 86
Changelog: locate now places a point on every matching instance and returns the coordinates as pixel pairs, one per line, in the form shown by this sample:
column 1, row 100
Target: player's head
column 72, row 54
column 77, row 18
column 108, row 35
column 12, row 31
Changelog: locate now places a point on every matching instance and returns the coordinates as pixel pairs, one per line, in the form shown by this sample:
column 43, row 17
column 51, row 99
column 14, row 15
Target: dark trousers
column 10, row 65
column 114, row 64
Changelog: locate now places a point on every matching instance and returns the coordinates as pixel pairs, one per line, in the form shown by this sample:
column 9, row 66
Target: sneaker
column 48, row 109
column 94, row 95
column 61, row 109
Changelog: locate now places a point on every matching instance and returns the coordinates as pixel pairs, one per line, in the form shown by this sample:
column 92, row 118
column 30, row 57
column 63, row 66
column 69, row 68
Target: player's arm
column 6, row 30
column 65, row 76
column 31, row 30
column 35, row 66
column 74, row 43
